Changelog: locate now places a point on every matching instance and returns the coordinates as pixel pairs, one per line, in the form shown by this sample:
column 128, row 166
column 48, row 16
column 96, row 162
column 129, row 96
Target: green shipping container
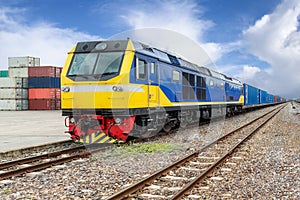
column 3, row 73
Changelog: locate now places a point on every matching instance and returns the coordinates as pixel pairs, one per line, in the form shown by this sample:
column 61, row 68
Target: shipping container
column 42, row 71
column 270, row 98
column 18, row 72
column 58, row 71
column 3, row 73
column 6, row 82
column 43, row 93
column 42, row 104
column 8, row 104
column 44, row 82
column 262, row 97
column 58, row 104
column 13, row 93
column 25, row 61
column 276, row 99
column 251, row 95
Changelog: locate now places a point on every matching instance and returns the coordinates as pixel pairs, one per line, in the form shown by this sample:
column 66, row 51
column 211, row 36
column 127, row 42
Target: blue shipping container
column 263, row 97
column 44, row 82
column 251, row 95
column 270, row 98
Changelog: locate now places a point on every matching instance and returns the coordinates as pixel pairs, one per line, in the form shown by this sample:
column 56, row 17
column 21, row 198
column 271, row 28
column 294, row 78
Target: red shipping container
column 275, row 99
column 42, row 71
column 57, row 93
column 41, row 104
column 58, row 71
column 43, row 93
column 58, row 105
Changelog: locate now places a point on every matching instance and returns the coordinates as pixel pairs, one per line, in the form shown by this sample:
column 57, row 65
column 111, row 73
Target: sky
column 257, row 42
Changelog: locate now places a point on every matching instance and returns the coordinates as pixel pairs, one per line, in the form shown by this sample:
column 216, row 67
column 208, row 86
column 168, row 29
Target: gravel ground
column 104, row 174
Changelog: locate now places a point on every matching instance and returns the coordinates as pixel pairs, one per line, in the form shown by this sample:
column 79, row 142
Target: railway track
column 180, row 178
column 35, row 163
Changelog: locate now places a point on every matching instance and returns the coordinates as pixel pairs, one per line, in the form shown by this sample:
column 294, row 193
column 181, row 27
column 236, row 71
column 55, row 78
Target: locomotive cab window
column 95, row 66
column 141, row 69
column 175, row 76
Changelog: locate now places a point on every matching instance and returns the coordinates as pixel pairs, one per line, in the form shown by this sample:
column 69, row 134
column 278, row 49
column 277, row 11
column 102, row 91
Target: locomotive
column 116, row 89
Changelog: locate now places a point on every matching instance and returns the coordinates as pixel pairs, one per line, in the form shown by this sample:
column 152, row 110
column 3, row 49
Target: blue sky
column 255, row 41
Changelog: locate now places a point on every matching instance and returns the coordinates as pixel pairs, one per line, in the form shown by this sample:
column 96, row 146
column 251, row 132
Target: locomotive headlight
column 117, row 88
column 118, row 120
column 72, row 120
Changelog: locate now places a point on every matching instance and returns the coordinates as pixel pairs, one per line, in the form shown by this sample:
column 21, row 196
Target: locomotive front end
column 96, row 91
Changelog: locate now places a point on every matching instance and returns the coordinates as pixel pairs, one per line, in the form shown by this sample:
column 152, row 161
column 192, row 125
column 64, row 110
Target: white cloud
column 182, row 17
column 275, row 39
column 43, row 40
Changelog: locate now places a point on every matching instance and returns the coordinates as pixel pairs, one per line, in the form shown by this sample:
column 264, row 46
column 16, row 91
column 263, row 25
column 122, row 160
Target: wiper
column 97, row 76
column 108, row 73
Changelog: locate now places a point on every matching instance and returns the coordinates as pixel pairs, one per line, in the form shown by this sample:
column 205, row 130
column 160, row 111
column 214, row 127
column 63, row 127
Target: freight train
column 113, row 90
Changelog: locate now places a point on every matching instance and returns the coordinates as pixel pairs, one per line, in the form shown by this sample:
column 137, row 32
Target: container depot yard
column 20, row 129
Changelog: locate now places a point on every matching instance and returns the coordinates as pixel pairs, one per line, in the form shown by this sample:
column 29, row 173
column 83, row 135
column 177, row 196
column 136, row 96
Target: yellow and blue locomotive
column 112, row 90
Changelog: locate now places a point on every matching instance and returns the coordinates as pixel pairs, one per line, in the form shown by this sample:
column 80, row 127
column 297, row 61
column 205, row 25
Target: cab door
column 153, row 83
column 147, row 73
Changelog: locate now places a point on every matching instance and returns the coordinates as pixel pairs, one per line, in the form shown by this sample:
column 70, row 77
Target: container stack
column 27, row 85
column 44, row 88
column 14, row 83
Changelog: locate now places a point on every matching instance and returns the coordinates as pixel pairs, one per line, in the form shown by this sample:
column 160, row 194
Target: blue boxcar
column 251, row 95
column 270, row 98
column 44, row 82
column 263, row 97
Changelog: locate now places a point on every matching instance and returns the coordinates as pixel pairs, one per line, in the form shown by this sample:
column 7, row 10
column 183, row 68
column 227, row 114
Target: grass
column 143, row 148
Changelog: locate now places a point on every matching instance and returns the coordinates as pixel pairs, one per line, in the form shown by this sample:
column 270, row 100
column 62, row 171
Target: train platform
column 21, row 129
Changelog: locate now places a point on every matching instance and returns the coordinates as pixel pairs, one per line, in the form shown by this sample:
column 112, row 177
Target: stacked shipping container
column 27, row 85
column 13, row 93
column 44, row 88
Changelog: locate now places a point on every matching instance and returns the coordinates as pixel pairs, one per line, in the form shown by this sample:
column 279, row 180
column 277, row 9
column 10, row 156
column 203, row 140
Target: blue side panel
column 263, row 97
column 251, row 95
column 233, row 91
column 171, row 89
column 270, row 98
column 217, row 92
column 44, row 82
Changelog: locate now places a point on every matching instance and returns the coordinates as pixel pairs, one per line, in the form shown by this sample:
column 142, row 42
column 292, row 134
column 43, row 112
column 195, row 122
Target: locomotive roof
column 162, row 55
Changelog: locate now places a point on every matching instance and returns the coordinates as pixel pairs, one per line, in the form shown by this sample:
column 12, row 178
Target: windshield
column 100, row 64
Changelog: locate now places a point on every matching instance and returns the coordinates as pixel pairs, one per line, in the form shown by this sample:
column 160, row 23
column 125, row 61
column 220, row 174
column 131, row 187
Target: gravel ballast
column 273, row 156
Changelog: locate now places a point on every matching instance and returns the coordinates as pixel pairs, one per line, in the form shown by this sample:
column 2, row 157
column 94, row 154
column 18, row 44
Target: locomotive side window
column 141, row 69
column 201, row 88
column 175, row 76
column 152, row 66
column 211, row 83
column 188, row 86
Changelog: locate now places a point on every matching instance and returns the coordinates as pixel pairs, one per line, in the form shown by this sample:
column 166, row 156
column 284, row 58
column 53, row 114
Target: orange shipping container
column 43, row 93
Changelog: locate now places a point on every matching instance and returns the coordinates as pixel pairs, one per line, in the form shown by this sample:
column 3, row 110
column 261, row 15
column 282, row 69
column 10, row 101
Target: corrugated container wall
column 13, row 82
column 262, row 97
column 13, row 93
column 43, row 104
column 44, row 82
column 44, row 93
column 251, row 95
column 3, row 73
column 13, row 104
column 44, row 71
column 18, row 72
column 23, row 61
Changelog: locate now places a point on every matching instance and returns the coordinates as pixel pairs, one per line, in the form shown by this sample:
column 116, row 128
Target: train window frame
column 222, row 86
column 211, row 83
column 175, row 76
column 137, row 74
column 152, row 67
